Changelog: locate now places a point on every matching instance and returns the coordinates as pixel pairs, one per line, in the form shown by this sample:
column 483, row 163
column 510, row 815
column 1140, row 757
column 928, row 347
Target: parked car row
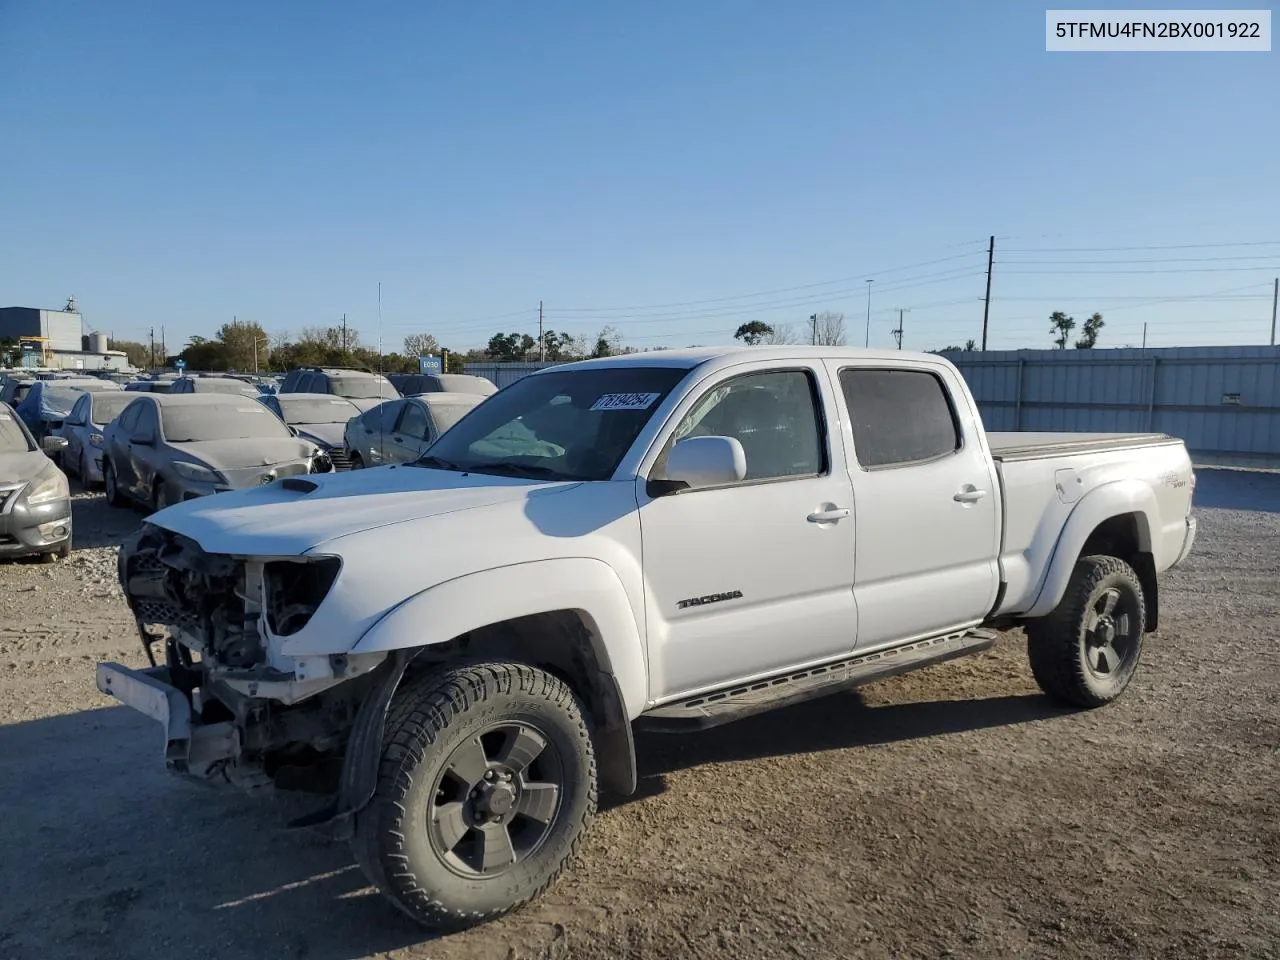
column 158, row 442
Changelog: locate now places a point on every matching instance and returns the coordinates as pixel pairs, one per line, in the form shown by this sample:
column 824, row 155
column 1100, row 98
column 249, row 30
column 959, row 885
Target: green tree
column 752, row 332
column 1089, row 332
column 136, row 353
column 238, row 339
column 201, row 353
column 509, row 347
column 1060, row 326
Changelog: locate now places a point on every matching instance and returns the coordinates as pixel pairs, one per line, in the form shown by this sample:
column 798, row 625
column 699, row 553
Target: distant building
column 65, row 348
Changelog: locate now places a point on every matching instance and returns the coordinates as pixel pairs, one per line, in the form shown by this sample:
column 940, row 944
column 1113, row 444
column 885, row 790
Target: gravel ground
column 952, row 812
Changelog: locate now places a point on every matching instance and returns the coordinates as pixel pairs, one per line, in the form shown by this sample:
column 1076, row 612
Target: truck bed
column 1007, row 447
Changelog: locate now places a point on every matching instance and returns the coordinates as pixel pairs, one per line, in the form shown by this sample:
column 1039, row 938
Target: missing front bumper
column 190, row 747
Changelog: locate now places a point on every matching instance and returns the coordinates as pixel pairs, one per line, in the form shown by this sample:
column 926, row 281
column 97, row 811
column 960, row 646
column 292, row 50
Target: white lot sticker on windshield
column 251, row 409
column 625, row 401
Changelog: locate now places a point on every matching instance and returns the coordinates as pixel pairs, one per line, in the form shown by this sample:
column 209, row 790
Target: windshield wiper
column 433, row 462
column 517, row 470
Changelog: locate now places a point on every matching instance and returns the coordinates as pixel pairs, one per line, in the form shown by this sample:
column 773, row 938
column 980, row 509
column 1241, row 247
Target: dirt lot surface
column 948, row 813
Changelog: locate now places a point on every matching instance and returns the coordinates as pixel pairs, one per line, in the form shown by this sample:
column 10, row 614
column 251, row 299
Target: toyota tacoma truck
column 452, row 653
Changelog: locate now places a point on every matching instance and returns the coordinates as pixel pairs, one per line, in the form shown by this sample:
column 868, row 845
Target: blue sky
column 658, row 166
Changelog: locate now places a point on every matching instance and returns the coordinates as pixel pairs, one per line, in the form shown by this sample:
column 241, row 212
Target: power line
column 765, row 293
column 1271, row 258
column 1157, row 246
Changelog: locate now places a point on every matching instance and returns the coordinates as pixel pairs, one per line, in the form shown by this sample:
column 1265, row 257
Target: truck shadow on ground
column 205, row 872
column 841, row 721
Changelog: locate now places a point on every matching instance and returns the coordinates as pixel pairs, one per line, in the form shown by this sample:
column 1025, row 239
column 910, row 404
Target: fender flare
column 591, row 587
column 447, row 610
column 1114, row 499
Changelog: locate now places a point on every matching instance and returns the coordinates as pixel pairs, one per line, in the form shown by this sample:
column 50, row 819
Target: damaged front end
column 234, row 706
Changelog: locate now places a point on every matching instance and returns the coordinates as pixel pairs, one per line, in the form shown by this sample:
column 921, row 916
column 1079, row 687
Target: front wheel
column 486, row 786
column 1085, row 652
column 356, row 462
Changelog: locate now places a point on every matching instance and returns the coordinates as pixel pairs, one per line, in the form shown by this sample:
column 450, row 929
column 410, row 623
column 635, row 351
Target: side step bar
column 723, row 706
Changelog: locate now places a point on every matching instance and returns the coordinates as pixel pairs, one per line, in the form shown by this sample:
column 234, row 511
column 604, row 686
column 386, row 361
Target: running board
column 723, row 706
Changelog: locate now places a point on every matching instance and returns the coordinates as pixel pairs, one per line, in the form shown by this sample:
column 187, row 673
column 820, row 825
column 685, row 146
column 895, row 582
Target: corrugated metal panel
column 1224, row 402
column 505, row 374
column 62, row 329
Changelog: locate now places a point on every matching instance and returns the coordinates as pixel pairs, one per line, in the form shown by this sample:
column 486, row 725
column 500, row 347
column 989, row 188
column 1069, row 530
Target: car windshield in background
column 107, row 406
column 571, row 425
column 334, row 410
column 250, row 421
column 446, row 415
column 362, row 388
column 12, row 439
column 60, row 399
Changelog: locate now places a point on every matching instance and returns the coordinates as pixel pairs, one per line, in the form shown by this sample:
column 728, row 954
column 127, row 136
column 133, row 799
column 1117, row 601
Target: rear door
column 378, row 424
column 925, row 500
column 411, row 434
column 143, row 455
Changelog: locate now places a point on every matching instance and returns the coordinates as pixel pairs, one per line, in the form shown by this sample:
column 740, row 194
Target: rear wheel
column 114, row 497
column 486, row 785
column 1085, row 652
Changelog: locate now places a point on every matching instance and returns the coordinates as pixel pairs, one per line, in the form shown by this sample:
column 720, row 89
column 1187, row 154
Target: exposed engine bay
column 249, row 712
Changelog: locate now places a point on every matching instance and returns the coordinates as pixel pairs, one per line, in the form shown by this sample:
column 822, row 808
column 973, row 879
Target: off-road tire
column 1057, row 644
column 429, row 718
column 110, row 481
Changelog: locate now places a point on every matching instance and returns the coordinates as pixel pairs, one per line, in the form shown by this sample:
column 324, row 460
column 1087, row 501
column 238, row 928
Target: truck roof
column 696, row 356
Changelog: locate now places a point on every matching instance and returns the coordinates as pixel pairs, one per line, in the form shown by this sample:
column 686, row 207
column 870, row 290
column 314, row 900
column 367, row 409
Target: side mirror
column 53, row 445
column 706, row 462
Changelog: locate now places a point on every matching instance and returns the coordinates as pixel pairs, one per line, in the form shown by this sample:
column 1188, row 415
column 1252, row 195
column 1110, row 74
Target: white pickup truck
column 454, row 651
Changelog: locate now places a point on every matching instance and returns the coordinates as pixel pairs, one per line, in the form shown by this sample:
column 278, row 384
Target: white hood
column 275, row 520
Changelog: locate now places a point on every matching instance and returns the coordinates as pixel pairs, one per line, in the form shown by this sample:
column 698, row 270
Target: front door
column 755, row 577
column 925, row 499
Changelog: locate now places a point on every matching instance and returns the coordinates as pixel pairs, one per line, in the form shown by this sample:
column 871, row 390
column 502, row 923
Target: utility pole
column 986, row 302
column 897, row 334
column 1144, row 334
column 1275, row 297
column 868, row 341
column 344, row 336
column 153, row 349
column 542, row 343
column 813, row 318
column 164, row 348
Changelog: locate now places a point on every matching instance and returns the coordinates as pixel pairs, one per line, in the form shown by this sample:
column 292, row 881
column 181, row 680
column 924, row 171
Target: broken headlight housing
column 294, row 589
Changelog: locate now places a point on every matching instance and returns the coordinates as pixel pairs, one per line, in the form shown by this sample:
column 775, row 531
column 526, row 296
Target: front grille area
column 340, row 459
column 253, row 476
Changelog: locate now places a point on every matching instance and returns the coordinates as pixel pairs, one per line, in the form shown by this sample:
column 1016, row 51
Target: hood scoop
column 300, row 484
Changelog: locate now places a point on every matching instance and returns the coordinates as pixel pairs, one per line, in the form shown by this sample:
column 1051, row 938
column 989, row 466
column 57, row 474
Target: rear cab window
column 899, row 416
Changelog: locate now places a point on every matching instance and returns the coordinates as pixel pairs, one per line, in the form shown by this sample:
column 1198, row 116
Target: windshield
column 333, row 410
column 60, row 400
column 446, row 415
column 12, row 439
column 362, row 388
column 223, row 421
column 107, row 406
column 571, row 424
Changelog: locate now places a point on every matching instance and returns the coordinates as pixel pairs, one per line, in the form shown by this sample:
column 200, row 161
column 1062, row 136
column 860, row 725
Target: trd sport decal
column 709, row 598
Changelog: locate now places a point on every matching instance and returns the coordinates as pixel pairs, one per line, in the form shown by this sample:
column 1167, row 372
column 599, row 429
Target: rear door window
column 898, row 416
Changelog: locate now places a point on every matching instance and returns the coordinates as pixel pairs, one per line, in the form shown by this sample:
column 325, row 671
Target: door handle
column 830, row 515
column 969, row 494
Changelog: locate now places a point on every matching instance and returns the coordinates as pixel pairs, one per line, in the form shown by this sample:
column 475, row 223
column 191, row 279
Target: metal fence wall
column 505, row 374
column 1223, row 402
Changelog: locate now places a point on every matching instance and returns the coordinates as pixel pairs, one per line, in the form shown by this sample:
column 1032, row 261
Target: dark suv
column 354, row 384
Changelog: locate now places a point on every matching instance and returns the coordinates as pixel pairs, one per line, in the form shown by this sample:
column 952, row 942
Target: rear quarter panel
column 1049, row 500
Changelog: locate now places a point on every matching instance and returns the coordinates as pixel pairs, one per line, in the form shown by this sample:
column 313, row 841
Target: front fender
column 591, row 587
column 1109, row 500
